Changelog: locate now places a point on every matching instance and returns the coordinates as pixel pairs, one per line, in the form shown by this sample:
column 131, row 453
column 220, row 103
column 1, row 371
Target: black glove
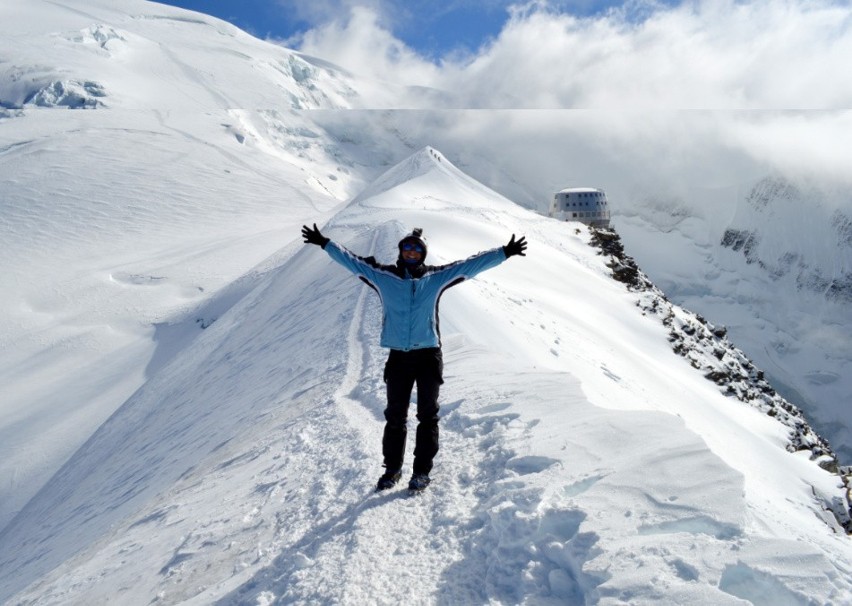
column 516, row 247
column 313, row 236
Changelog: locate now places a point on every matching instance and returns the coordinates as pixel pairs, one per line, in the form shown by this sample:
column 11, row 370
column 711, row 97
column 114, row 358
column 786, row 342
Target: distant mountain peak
column 416, row 165
column 427, row 171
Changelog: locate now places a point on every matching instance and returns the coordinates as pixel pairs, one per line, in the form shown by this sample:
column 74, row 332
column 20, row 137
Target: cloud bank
column 705, row 94
column 706, row 54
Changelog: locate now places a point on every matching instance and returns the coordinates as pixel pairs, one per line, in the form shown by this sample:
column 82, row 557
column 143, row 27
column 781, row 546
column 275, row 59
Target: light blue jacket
column 410, row 297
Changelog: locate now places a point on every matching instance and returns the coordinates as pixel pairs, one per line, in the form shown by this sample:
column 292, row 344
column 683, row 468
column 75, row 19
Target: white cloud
column 321, row 12
column 705, row 95
column 788, row 54
column 358, row 41
column 728, row 55
column 807, row 143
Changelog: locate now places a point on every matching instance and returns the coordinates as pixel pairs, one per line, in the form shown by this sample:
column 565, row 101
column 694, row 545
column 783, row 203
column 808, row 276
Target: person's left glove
column 516, row 247
column 313, row 236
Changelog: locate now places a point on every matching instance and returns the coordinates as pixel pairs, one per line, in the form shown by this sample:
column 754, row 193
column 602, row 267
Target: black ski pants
column 404, row 369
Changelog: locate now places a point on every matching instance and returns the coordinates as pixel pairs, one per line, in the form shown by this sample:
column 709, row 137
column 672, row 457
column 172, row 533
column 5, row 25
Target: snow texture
column 192, row 399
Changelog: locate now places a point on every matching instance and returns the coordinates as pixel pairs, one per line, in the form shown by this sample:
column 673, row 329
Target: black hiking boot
column 418, row 482
column 388, row 480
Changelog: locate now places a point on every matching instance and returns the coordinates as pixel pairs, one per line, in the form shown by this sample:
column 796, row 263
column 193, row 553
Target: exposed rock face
column 769, row 190
column 741, row 240
column 774, row 195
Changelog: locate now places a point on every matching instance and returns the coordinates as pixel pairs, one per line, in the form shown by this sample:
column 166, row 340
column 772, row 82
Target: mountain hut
column 585, row 204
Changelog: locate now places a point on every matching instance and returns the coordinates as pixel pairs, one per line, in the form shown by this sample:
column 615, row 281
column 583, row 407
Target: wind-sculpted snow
column 115, row 224
column 582, row 461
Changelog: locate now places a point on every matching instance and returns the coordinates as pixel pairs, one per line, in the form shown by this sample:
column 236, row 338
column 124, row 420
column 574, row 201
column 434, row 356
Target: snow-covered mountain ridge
column 796, row 239
column 116, row 220
column 773, row 196
column 582, row 460
column 120, row 54
column 141, row 55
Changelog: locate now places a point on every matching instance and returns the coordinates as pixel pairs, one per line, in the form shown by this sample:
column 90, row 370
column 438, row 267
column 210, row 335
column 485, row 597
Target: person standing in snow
column 410, row 291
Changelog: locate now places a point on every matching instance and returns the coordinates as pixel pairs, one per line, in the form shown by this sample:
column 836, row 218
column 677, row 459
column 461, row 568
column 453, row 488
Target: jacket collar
column 408, row 270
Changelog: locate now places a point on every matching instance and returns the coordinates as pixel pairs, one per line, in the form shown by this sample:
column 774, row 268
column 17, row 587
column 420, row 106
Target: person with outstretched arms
column 410, row 291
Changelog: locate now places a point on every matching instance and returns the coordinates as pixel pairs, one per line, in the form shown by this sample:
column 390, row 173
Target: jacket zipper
column 411, row 313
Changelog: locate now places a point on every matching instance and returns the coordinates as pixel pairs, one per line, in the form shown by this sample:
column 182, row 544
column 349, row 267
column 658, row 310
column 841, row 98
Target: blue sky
column 431, row 29
column 578, row 54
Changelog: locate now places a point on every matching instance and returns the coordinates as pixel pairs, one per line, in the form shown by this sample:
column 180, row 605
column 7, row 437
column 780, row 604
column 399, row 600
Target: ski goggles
column 412, row 246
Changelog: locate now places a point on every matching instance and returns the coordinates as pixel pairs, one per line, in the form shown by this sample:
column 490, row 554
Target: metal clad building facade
column 585, row 204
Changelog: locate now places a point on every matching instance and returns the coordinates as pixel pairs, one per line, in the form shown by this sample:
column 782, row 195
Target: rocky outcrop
column 742, row 240
column 709, row 351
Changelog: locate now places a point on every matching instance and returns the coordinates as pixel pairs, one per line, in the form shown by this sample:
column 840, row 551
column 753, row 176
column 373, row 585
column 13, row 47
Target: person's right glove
column 516, row 247
column 313, row 236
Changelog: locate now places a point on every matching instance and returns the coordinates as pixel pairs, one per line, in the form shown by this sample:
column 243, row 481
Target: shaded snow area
column 582, row 460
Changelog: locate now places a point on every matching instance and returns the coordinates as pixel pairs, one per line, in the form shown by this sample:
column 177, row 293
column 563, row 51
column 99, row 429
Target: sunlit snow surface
column 223, row 382
column 118, row 219
column 581, row 459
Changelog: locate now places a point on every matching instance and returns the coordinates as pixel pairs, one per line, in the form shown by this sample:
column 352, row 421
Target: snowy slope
column 101, row 244
column 117, row 220
column 777, row 271
column 582, row 460
column 134, row 54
